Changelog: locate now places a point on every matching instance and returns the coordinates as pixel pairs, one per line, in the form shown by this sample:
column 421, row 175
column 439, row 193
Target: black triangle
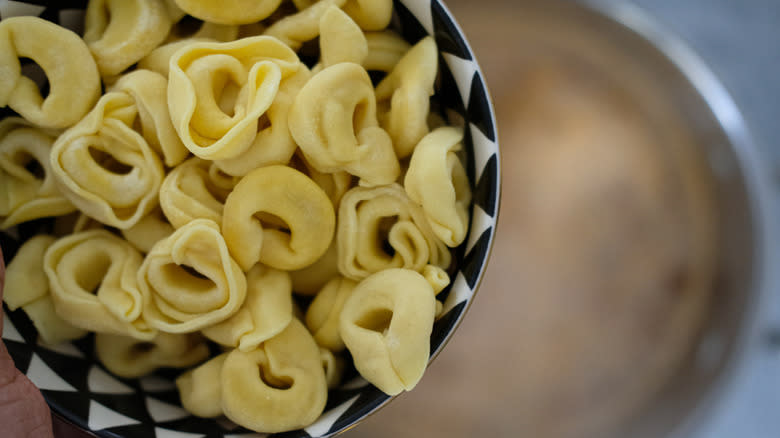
column 206, row 426
column 486, row 192
column 370, row 398
column 444, row 326
column 408, row 25
column 291, row 434
column 9, row 244
column 71, row 369
column 447, row 92
column 447, row 36
column 479, row 108
column 74, row 406
column 130, row 405
column 476, row 258
column 21, row 353
column 143, row 430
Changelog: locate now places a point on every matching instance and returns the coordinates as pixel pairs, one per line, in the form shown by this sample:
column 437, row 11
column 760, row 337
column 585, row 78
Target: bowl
column 85, row 396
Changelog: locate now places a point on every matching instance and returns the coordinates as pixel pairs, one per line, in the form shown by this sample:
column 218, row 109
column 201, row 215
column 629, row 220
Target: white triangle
column 101, row 417
column 463, row 71
column 156, row 384
column 16, row 9
column 161, row 411
column 480, row 221
column 100, row 381
column 66, row 348
column 167, row 433
column 422, row 11
column 9, row 330
column 459, row 293
column 356, row 383
column 72, row 19
column 484, row 148
column 44, row 377
column 328, row 419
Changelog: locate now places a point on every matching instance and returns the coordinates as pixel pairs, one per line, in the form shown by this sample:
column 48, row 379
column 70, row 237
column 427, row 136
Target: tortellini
column 341, row 40
column 189, row 193
column 289, row 227
column 189, row 281
column 151, row 229
column 74, row 82
column 294, row 30
column 107, row 169
column 267, row 310
column 217, row 92
column 27, row 186
column 200, row 388
column 322, row 317
column 370, row 14
column 128, row 357
column 229, row 11
column 404, row 96
column 381, row 228
column 92, row 275
column 121, row 32
column 386, row 324
column 437, row 180
column 334, row 122
column 27, row 287
column 279, row 386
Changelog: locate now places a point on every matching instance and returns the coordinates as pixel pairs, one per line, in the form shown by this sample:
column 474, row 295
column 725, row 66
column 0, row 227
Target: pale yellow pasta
column 74, row 82
column 309, row 280
column 183, row 30
column 121, row 32
column 105, row 168
column 404, row 96
column 438, row 182
column 151, row 229
column 335, row 184
column 288, row 227
column 278, row 387
column 149, row 90
column 158, row 60
column 188, row 193
column 266, row 311
column 93, row 283
column 386, row 324
column 189, row 281
column 52, row 329
column 25, row 280
column 28, row 189
column 370, row 14
column 130, row 358
column 334, row 367
column 373, row 221
column 385, row 49
column 200, row 389
column 341, row 40
column 333, row 120
column 436, row 277
column 222, row 180
column 217, row 92
column 322, row 316
column 294, row 30
column 273, row 144
column 229, row 11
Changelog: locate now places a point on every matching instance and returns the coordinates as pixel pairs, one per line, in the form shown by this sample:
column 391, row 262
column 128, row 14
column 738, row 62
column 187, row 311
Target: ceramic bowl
column 83, row 393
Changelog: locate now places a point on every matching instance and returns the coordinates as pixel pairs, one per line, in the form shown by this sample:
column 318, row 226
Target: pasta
column 299, row 219
column 385, row 49
column 322, row 317
column 97, row 260
column 386, row 324
column 341, row 40
column 294, row 30
column 128, row 357
column 266, row 311
column 218, row 91
column 404, row 96
column 370, row 14
column 437, row 181
column 333, row 120
column 200, row 388
column 279, row 386
column 121, row 32
column 74, row 82
column 151, row 229
column 333, row 366
column 189, row 281
column 309, row 280
column 27, row 186
column 188, row 193
column 381, row 228
column 105, row 168
column 229, row 11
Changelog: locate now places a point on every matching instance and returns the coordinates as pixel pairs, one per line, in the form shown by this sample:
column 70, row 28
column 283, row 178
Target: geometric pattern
column 82, row 391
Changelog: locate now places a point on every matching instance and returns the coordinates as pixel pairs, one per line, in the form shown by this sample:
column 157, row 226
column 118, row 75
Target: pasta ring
column 322, row 317
column 74, row 82
column 129, row 358
column 229, row 11
column 285, row 193
column 294, row 30
column 178, row 301
column 386, row 324
column 188, row 193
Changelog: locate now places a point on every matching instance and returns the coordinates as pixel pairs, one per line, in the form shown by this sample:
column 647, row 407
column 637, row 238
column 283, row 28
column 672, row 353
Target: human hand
column 23, row 411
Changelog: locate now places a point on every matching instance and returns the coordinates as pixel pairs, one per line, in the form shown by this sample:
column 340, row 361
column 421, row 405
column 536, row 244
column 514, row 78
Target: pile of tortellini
column 200, row 181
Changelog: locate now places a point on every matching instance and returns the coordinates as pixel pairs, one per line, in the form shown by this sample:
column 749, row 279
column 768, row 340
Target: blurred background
column 583, row 343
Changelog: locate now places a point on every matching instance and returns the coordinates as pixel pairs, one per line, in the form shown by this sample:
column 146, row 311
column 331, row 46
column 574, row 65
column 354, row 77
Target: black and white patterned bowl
column 82, row 391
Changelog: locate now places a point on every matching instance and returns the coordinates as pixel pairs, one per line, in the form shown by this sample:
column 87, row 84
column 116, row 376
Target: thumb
column 23, row 411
